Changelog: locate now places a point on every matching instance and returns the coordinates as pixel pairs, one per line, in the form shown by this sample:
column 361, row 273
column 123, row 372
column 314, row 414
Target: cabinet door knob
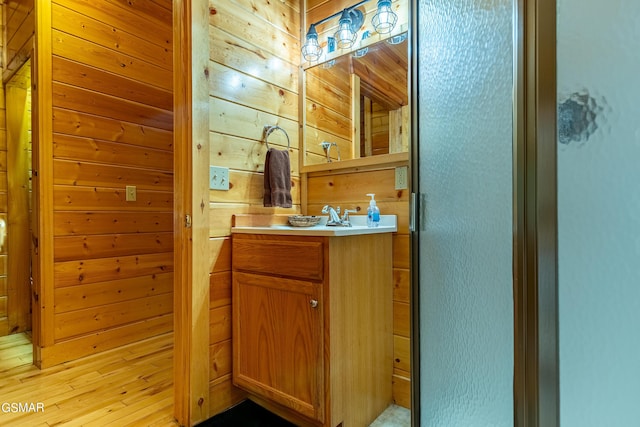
column 314, row 303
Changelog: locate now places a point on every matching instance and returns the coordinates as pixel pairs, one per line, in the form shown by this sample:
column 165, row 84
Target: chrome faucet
column 345, row 216
column 334, row 216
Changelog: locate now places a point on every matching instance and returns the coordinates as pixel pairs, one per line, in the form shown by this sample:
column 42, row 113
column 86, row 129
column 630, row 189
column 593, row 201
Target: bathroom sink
column 388, row 224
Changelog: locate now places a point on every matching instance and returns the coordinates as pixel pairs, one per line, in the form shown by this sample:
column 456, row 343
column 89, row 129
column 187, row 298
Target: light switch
column 130, row 193
column 218, row 178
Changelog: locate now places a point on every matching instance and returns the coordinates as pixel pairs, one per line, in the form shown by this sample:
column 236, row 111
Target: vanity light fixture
column 348, row 25
column 350, row 21
column 311, row 51
column 385, row 18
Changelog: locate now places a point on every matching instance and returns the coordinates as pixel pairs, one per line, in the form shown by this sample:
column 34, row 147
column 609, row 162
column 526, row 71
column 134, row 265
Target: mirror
column 357, row 104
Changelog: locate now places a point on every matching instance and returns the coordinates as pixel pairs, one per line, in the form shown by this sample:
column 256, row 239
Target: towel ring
column 269, row 129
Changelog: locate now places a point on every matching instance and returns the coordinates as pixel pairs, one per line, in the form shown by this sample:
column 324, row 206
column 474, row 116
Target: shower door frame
column 535, row 260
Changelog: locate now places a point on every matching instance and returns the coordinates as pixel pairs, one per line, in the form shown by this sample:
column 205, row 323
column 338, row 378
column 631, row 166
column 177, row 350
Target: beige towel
column 277, row 179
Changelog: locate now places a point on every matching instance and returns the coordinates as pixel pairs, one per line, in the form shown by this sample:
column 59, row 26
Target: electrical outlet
column 130, row 193
column 402, row 179
column 218, row 178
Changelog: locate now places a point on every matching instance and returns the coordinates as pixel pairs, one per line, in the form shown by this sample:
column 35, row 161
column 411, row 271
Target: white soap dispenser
column 373, row 212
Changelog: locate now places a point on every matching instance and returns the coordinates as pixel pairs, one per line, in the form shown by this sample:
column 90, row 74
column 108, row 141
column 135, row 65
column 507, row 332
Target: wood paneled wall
column 348, row 190
column 329, row 108
column 4, row 321
column 254, row 58
column 17, row 18
column 19, row 21
column 379, row 119
column 112, row 126
column 17, row 240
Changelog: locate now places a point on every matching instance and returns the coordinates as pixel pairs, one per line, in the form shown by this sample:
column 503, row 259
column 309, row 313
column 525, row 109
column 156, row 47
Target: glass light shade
column 360, row 52
column 311, row 50
column 397, row 39
column 385, row 18
column 345, row 36
column 329, row 64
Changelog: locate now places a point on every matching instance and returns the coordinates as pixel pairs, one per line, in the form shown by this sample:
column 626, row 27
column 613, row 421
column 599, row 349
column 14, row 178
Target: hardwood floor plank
column 19, row 419
column 15, row 358
column 9, row 341
column 159, row 419
column 13, row 373
column 97, row 393
column 47, row 393
column 14, row 353
column 130, row 385
column 134, row 412
column 100, row 413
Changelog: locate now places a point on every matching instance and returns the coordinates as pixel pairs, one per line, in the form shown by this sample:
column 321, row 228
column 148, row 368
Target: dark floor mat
column 246, row 414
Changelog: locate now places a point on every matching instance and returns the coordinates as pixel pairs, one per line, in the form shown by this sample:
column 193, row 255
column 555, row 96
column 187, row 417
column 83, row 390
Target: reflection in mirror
column 357, row 104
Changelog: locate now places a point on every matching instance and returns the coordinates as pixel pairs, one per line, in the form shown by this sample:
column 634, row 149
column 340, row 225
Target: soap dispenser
column 373, row 212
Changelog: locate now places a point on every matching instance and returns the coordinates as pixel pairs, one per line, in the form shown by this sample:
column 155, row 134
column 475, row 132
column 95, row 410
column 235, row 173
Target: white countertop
column 388, row 224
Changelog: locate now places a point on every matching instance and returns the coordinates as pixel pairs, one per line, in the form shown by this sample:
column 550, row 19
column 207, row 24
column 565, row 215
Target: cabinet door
column 278, row 340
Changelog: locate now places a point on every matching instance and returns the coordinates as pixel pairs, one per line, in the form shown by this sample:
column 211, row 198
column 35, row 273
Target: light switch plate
column 218, row 178
column 130, row 193
column 402, row 179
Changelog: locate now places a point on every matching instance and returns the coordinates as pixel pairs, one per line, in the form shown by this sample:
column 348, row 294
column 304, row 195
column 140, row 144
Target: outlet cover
column 218, row 178
column 402, row 179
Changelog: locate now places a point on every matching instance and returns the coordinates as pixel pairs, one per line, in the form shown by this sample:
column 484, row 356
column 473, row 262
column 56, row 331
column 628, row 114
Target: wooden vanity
column 312, row 324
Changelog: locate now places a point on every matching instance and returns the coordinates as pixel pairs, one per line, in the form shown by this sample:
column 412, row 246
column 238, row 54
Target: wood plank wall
column 4, row 321
column 254, row 58
column 348, row 190
column 328, row 111
column 112, row 109
column 17, row 241
column 17, row 44
column 379, row 129
column 19, row 22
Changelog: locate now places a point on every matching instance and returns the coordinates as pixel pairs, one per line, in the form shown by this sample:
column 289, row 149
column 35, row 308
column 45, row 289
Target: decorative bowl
column 304, row 220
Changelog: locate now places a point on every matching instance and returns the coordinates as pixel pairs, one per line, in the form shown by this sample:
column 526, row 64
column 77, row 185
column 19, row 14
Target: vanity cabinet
column 312, row 325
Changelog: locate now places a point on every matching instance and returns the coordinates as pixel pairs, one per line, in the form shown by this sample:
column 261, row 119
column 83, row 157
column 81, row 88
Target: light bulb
column 385, row 18
column 345, row 36
column 311, row 51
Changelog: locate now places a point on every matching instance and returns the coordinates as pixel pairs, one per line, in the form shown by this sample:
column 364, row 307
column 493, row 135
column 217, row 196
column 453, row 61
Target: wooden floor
column 129, row 386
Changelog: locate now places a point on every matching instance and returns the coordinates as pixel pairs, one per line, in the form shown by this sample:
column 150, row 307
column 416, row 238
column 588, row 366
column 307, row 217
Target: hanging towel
column 277, row 179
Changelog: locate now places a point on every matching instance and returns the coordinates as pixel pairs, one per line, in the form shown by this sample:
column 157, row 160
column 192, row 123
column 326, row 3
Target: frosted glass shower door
column 598, row 63
column 465, row 86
